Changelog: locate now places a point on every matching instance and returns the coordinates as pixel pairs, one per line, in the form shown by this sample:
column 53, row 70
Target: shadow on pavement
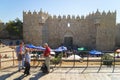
column 38, row 76
column 3, row 77
column 20, row 77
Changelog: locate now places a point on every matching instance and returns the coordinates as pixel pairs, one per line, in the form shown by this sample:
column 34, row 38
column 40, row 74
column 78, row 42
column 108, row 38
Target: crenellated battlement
column 40, row 13
column 71, row 17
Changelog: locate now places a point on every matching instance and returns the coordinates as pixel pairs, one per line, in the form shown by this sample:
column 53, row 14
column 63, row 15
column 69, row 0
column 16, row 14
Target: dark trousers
column 27, row 68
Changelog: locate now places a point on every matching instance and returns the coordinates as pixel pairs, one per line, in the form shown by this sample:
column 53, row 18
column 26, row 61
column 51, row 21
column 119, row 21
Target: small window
column 43, row 17
column 68, row 25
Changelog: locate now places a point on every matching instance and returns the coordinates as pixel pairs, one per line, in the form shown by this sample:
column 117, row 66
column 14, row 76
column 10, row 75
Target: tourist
column 20, row 55
column 47, row 56
column 27, row 62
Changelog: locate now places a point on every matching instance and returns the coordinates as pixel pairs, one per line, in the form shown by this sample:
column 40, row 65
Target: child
column 27, row 62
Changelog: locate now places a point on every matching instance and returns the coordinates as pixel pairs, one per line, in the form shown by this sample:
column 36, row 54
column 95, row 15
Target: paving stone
column 62, row 74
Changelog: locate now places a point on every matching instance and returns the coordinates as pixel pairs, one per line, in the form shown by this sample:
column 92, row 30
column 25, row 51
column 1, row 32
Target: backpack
column 44, row 68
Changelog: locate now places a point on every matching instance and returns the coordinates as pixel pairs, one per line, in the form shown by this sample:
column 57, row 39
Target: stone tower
column 32, row 26
column 118, row 35
column 106, row 30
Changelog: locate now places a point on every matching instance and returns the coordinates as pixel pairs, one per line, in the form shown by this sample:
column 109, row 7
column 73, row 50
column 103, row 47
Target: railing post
column 0, row 60
column 87, row 59
column 114, row 63
column 114, row 59
column 74, row 58
column 13, row 58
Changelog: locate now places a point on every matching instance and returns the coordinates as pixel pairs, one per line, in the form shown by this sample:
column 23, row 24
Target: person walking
column 20, row 55
column 47, row 56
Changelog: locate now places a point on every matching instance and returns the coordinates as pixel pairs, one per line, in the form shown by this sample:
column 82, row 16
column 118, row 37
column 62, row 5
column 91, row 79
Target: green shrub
column 107, row 59
column 58, row 59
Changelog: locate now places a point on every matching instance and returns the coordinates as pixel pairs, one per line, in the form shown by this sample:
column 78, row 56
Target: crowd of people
column 24, row 58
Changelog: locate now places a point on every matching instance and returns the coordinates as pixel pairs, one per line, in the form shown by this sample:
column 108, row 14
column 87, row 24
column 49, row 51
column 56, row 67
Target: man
column 47, row 56
column 20, row 55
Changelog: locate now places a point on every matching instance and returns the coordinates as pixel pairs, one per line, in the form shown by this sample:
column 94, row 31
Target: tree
column 15, row 28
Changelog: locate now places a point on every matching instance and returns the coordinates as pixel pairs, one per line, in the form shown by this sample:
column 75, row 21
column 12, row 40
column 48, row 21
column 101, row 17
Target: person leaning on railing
column 20, row 55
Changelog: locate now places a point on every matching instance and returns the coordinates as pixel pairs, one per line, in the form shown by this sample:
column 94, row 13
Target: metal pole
column 87, row 59
column 0, row 60
column 74, row 58
column 114, row 59
column 13, row 58
column 101, row 62
column 114, row 63
column 101, row 59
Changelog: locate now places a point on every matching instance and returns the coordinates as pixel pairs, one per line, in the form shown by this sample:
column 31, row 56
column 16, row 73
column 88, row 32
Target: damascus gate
column 96, row 30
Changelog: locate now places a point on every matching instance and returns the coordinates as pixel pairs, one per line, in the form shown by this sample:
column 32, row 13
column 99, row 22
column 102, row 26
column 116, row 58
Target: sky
column 12, row 9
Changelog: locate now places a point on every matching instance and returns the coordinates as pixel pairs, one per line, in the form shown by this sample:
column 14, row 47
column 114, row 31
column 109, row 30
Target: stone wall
column 118, row 35
column 96, row 30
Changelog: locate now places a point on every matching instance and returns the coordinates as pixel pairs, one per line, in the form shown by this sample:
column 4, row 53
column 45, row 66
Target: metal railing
column 3, row 59
column 87, row 60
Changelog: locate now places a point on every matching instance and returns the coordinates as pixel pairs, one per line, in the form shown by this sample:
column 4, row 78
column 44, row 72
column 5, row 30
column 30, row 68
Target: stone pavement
column 90, row 73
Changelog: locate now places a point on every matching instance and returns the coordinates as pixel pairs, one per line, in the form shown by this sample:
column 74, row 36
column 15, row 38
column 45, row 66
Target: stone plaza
column 90, row 73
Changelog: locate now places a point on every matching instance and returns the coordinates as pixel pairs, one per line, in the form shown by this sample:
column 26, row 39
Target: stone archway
column 68, row 39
